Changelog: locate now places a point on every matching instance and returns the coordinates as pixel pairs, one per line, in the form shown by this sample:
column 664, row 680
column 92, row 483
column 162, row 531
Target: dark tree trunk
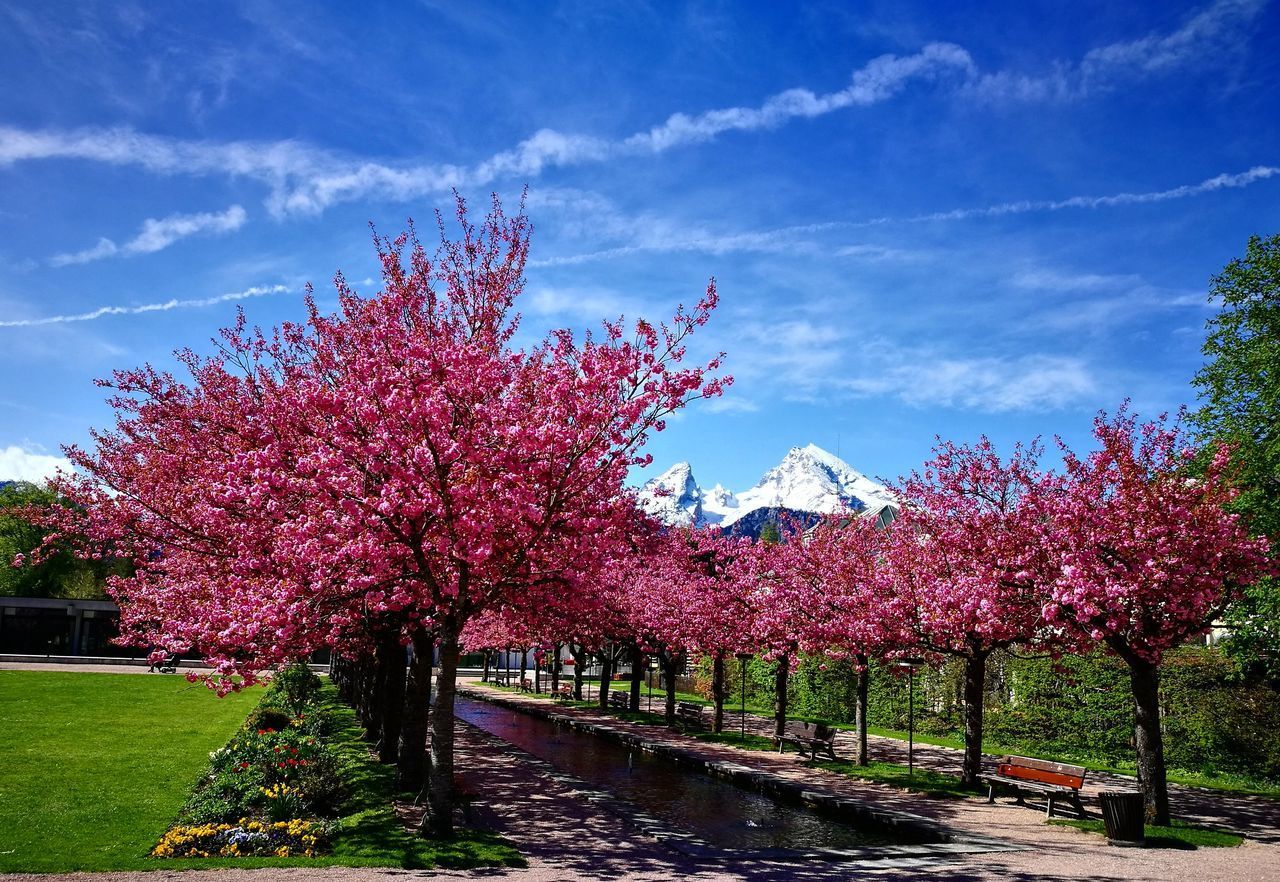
column 411, row 769
column 975, row 682
column 524, row 666
column 391, row 673
column 1149, row 740
column 555, row 667
column 780, row 696
column 860, row 709
column 718, row 691
column 579, row 663
column 637, row 676
column 440, row 795
column 484, row 678
column 670, row 669
column 606, row 675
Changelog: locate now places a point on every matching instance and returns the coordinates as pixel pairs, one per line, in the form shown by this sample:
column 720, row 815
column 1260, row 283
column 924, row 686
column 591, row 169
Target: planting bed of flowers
column 268, row 791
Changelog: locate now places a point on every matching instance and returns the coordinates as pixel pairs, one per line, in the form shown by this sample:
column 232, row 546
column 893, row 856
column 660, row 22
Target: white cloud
column 19, row 464
column 731, row 404
column 163, row 306
column 104, row 248
column 992, row 384
column 1222, row 181
column 880, row 79
column 1207, row 38
column 158, row 234
column 305, row 179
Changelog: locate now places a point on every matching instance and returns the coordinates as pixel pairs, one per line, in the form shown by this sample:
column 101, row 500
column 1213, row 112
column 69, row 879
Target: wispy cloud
column 1224, row 181
column 20, row 464
column 158, row 234
column 165, row 306
column 306, row 179
column 880, row 79
column 1209, row 37
column 990, row 384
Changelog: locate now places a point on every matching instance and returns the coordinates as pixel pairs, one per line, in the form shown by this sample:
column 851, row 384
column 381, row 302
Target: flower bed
column 267, row 790
column 248, row 838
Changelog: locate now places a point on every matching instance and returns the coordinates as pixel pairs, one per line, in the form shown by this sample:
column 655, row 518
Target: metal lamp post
column 911, row 664
column 742, row 665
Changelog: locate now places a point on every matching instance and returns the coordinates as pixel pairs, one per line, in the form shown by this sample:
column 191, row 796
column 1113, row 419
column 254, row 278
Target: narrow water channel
column 718, row 812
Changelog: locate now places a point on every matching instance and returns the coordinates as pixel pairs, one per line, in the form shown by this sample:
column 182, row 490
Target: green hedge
column 1217, row 720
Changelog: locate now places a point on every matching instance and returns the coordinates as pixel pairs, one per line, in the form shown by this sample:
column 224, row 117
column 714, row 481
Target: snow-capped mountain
column 808, row 480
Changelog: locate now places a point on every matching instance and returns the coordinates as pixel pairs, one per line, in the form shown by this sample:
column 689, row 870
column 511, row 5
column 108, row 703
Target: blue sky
column 924, row 221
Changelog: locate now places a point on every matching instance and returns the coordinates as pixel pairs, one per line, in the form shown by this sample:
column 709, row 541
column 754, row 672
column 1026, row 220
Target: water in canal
column 718, row 812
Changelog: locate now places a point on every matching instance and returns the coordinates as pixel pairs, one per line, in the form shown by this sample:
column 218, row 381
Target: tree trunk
column 484, row 678
column 392, row 672
column 860, row 709
column 718, row 691
column 411, row 769
column 606, row 675
column 975, row 682
column 579, row 662
column 670, row 668
column 637, row 676
column 555, row 668
column 1145, row 679
column 440, row 796
column 780, row 696
column 524, row 666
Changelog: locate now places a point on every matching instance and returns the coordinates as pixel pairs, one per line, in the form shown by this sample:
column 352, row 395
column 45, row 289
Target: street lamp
column 742, row 665
column 911, row 664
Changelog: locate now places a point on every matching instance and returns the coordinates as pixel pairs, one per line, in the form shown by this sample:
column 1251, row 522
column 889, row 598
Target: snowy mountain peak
column 674, row 496
column 809, row 479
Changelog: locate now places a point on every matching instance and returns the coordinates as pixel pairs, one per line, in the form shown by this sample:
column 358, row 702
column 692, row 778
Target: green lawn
column 1180, row 835
column 94, row 768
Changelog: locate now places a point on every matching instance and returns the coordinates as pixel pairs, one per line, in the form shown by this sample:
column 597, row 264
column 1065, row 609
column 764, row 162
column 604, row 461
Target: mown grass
column 1180, row 835
column 925, row 781
column 94, row 768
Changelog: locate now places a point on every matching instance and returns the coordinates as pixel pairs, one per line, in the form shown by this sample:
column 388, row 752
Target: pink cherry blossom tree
column 401, row 458
column 1151, row 555
column 966, row 574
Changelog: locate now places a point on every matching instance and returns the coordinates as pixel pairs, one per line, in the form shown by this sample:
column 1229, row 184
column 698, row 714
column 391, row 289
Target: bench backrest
column 689, row 707
column 1043, row 771
column 797, row 729
column 824, row 732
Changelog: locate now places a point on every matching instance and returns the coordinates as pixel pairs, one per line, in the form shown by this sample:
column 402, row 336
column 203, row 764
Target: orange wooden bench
column 1024, row 774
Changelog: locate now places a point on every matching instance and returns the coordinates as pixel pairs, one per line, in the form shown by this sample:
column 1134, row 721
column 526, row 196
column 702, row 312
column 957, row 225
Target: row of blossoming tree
column 404, row 473
column 1132, row 547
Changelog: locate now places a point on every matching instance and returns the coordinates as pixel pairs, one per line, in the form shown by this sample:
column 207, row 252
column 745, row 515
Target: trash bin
column 1124, row 815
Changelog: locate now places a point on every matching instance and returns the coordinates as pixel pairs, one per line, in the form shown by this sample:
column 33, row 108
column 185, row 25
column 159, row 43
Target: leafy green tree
column 1240, row 389
column 57, row 574
column 770, row 534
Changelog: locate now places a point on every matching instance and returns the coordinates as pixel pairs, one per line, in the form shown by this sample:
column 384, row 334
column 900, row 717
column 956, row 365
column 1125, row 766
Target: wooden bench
column 1023, row 774
column 808, row 740
column 564, row 693
column 690, row 712
column 620, row 700
column 526, row 685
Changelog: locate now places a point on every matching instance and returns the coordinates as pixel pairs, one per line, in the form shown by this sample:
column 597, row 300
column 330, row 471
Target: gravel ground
column 564, row 838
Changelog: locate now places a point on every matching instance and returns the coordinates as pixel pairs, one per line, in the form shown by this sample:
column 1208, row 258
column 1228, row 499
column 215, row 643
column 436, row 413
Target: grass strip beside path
column 1180, row 835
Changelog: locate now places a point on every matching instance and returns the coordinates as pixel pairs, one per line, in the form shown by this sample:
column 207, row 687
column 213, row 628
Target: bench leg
column 1075, row 799
column 991, row 793
column 1048, row 812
